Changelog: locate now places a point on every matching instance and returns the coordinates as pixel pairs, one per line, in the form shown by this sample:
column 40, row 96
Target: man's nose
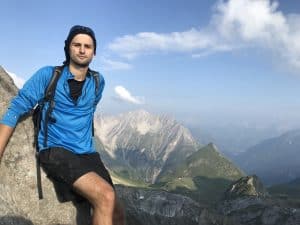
column 81, row 49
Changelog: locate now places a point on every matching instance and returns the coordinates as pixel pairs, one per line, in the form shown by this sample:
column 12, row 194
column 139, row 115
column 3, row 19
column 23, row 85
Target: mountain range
column 156, row 151
column 275, row 160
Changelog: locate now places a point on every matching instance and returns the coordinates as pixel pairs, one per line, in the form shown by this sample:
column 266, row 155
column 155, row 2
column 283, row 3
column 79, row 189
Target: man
column 68, row 155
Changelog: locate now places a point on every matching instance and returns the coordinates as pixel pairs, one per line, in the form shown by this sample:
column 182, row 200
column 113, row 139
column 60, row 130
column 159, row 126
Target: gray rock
column 255, row 211
column 246, row 186
column 149, row 207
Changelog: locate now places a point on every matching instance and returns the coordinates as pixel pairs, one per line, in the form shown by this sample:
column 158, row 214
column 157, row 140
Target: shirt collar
column 70, row 76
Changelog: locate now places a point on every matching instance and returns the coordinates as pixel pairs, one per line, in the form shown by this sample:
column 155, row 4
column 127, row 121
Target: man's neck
column 78, row 72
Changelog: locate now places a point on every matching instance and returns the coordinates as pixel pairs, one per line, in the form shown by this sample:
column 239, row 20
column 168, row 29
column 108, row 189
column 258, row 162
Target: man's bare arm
column 5, row 133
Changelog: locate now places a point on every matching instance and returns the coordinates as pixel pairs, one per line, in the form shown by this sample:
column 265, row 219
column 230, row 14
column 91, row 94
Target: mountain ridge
column 273, row 159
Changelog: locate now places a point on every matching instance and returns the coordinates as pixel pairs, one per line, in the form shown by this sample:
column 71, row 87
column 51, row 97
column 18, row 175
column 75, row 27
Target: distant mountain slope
column 208, row 162
column 275, row 160
column 139, row 145
column 206, row 172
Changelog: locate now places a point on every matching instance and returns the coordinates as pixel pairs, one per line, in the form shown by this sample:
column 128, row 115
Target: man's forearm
column 5, row 133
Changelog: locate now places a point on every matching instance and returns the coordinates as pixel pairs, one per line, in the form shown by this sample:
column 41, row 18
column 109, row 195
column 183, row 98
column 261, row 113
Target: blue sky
column 198, row 61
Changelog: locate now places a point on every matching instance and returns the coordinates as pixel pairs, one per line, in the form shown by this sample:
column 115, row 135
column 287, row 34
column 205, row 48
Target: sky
column 201, row 62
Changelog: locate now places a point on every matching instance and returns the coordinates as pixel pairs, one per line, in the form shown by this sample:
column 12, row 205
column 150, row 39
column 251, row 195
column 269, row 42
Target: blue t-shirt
column 73, row 119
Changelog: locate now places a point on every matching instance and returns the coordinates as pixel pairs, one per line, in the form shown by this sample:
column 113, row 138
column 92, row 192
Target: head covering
column 77, row 29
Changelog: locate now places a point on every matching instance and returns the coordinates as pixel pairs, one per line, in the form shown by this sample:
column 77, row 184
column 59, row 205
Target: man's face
column 81, row 50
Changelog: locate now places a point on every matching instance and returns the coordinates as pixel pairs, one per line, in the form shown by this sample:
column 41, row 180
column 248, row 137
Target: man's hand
column 5, row 133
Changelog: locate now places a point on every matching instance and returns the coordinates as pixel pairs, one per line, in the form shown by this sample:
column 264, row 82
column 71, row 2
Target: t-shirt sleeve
column 27, row 97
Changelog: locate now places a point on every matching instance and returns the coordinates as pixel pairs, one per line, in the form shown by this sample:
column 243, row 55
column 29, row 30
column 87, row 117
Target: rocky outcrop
column 248, row 203
column 258, row 211
column 149, row 207
column 19, row 203
column 246, row 186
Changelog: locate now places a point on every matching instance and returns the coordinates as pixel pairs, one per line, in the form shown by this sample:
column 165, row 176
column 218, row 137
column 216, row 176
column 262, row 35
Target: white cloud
column 234, row 24
column 124, row 95
column 109, row 64
column 130, row 46
column 19, row 82
column 249, row 19
column 259, row 23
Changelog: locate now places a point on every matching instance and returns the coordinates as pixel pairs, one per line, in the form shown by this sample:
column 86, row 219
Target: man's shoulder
column 45, row 71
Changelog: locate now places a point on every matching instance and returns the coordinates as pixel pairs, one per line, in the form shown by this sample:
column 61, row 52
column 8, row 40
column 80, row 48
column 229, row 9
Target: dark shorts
column 66, row 167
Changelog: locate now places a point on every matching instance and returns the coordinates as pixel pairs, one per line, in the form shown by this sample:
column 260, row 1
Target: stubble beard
column 80, row 64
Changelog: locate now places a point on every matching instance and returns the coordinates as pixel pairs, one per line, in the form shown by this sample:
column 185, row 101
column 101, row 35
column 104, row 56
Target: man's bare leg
column 100, row 194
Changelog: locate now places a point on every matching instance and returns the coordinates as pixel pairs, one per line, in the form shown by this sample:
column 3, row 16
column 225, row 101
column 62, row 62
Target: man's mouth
column 82, row 57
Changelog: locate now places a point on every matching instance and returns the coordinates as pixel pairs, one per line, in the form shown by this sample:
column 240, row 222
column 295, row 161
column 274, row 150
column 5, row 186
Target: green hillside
column 206, row 162
column 204, row 175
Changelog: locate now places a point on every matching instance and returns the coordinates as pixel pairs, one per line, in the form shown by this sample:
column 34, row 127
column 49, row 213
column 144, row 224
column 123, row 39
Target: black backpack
column 37, row 116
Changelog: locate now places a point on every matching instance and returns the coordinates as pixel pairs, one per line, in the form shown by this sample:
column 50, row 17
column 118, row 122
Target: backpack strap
column 96, row 77
column 37, row 117
column 49, row 97
column 50, row 91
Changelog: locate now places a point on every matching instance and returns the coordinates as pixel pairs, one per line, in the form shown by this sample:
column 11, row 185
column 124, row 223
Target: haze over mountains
column 235, row 138
column 274, row 160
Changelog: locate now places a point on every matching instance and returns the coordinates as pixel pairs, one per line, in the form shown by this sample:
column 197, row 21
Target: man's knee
column 107, row 195
column 97, row 190
column 104, row 196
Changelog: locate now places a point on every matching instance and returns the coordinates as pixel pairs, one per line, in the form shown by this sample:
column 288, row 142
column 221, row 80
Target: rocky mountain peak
column 213, row 147
column 7, row 84
column 246, row 186
column 144, row 140
column 140, row 122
